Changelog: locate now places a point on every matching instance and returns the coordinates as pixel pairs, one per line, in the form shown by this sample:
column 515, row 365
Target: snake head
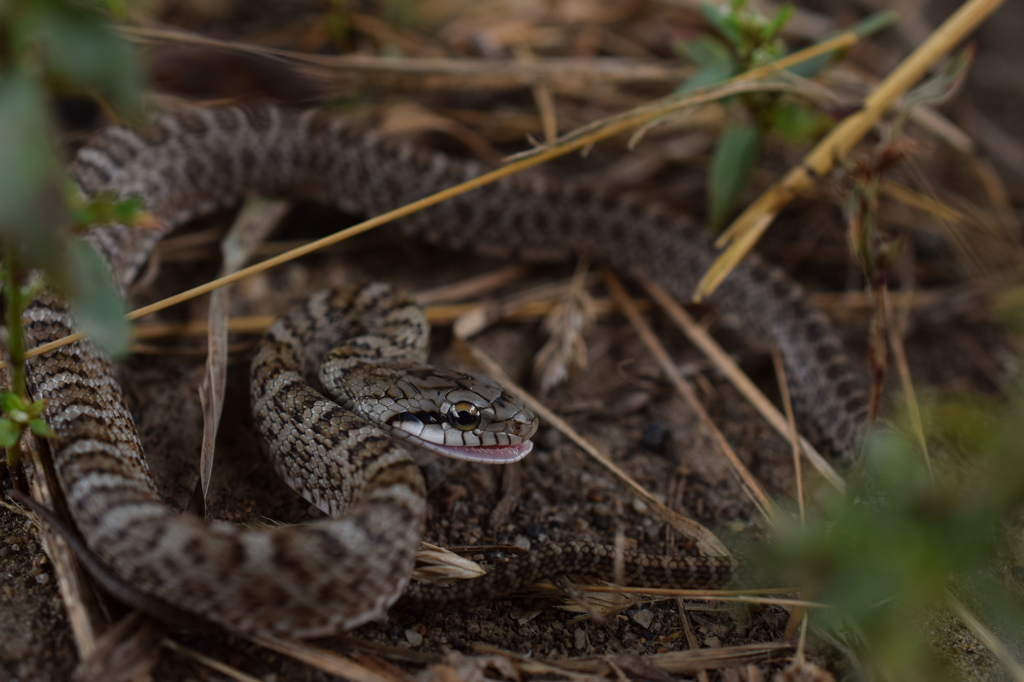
column 465, row 416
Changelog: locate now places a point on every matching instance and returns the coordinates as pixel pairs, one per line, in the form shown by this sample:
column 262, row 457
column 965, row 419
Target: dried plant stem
column 323, row 659
column 897, row 331
column 211, row 663
column 794, row 437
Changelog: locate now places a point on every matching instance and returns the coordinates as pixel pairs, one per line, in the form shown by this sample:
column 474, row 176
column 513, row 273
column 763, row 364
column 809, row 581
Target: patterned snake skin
column 320, row 578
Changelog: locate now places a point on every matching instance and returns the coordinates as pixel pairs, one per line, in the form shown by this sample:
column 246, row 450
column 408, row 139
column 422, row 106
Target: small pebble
column 522, row 542
column 644, row 618
column 413, row 637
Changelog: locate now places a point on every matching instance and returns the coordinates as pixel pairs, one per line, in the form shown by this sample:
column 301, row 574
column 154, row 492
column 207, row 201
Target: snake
column 340, row 388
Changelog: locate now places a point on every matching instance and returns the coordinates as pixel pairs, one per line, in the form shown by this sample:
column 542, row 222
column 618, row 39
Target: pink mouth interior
column 491, row 454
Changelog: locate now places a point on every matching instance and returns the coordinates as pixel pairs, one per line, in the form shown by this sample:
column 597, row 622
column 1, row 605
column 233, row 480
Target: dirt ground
column 621, row 401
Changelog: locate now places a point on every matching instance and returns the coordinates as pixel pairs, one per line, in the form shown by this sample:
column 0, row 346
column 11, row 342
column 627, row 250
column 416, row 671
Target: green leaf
column 10, row 402
column 798, row 123
column 9, row 433
column 84, row 52
column 41, row 428
column 105, row 209
column 36, row 408
column 777, row 23
column 724, row 20
column 731, row 166
column 713, row 56
column 30, row 206
column 95, row 302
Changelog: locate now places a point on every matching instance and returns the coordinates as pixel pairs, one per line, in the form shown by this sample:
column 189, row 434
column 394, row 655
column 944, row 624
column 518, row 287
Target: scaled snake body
column 320, row 578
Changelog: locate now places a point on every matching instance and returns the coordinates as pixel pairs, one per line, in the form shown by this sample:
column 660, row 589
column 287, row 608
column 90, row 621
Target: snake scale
column 324, row 577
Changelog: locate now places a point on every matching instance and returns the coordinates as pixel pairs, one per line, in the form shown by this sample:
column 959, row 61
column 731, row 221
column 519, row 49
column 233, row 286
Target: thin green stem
column 14, row 305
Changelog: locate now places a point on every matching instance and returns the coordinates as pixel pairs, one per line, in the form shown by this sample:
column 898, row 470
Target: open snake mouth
column 425, row 430
column 486, row 454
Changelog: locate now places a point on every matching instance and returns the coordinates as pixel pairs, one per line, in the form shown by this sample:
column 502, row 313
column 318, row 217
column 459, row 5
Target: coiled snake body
column 320, row 578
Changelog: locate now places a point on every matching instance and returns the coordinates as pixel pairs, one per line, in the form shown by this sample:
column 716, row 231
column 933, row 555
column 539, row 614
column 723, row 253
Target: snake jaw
column 492, row 454
column 484, row 454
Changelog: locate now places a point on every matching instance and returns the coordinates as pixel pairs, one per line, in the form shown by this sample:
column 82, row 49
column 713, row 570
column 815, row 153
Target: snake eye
column 464, row 416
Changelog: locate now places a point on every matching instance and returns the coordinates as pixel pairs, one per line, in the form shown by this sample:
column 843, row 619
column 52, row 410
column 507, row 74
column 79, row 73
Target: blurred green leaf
column 731, row 166
column 30, row 207
column 41, row 428
column 36, row 408
column 798, row 123
column 10, row 402
column 95, row 302
column 724, row 19
column 714, row 58
column 106, row 208
column 84, row 52
column 777, row 23
column 9, row 433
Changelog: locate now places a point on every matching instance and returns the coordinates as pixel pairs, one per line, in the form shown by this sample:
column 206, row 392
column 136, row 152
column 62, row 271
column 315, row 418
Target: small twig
column 320, row 658
column 691, row 639
column 211, row 663
column 83, row 610
column 896, row 332
column 794, row 437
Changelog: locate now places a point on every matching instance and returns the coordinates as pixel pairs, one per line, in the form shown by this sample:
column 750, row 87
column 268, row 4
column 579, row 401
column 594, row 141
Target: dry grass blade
column 254, row 223
column 739, row 379
column 566, row 325
column 211, row 663
column 740, row 596
column 752, row 223
column 674, row 662
column 794, row 437
column 706, row 541
column 253, row 324
column 921, row 202
column 437, row 314
column 438, row 565
column 986, row 637
column 472, row 287
column 84, row 613
column 750, row 484
column 323, row 659
column 691, row 638
column 896, row 332
column 128, row 651
column 342, row 75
